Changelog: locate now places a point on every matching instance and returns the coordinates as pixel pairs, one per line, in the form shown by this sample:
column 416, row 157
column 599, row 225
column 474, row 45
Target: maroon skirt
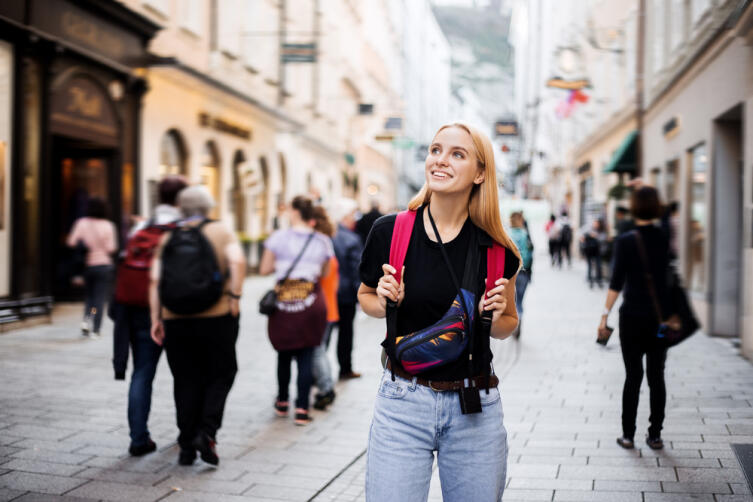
column 298, row 324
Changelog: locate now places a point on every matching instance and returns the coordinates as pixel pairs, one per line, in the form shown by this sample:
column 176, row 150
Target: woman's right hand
column 388, row 287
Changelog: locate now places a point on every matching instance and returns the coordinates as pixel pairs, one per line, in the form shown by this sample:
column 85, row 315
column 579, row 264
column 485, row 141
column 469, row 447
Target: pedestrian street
column 64, row 433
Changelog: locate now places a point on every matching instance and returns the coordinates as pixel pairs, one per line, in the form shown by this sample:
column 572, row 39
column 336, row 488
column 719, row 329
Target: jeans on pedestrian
column 322, row 370
column 521, row 284
column 97, row 281
column 411, row 422
column 636, row 339
column 201, row 355
column 345, row 337
column 146, row 355
column 594, row 270
column 304, row 359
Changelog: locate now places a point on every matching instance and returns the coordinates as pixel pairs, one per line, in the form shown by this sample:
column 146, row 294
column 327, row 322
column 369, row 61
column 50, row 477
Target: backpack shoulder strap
column 400, row 240
column 495, row 264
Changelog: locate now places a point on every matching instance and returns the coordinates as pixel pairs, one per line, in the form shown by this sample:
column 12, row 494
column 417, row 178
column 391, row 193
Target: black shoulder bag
column 268, row 302
column 682, row 323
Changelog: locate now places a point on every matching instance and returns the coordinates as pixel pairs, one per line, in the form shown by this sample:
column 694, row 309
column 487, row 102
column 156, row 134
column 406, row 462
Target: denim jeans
column 146, row 355
column 321, row 368
column 521, row 283
column 411, row 422
column 97, row 281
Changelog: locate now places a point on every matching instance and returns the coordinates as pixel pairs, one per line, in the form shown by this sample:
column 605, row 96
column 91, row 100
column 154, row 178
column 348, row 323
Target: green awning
column 624, row 159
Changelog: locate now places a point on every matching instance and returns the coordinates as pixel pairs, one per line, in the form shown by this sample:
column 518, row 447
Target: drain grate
column 744, row 453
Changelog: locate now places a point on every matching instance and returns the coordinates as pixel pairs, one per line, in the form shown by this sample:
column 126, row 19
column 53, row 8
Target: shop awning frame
column 624, row 159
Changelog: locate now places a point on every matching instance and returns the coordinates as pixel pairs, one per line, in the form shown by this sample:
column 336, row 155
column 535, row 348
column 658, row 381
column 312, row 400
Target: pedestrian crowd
column 446, row 276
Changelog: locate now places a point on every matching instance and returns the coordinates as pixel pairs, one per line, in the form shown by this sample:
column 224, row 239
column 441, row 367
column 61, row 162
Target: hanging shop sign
column 570, row 85
column 506, row 128
column 298, row 53
column 224, row 126
column 671, row 127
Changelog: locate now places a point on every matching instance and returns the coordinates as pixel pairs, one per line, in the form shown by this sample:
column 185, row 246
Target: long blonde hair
column 483, row 204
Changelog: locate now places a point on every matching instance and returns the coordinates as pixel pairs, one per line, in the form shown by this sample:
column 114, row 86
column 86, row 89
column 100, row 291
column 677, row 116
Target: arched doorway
column 173, row 155
column 239, row 198
column 209, row 174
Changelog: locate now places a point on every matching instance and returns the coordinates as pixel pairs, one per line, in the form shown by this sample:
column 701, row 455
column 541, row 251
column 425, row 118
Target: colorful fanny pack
column 446, row 340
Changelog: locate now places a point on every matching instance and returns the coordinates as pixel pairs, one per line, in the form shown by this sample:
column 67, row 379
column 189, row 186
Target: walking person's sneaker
column 302, row 417
column 186, row 457
column 349, row 375
column 281, row 408
column 206, row 447
column 626, row 443
column 142, row 449
column 84, row 328
column 323, row 400
column 654, row 443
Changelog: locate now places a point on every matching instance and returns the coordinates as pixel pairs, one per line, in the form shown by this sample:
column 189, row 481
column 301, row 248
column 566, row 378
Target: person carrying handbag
column 639, row 320
column 299, row 257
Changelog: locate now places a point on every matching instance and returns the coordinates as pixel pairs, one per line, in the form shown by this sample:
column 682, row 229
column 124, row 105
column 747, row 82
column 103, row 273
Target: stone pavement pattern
column 64, row 434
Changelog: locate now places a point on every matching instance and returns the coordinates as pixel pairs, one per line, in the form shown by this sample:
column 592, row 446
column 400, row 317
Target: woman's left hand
column 495, row 300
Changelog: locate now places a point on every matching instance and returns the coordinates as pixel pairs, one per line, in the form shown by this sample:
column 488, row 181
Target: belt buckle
column 431, row 386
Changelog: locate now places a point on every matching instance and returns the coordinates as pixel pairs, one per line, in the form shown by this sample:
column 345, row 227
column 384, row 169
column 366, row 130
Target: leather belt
column 446, row 385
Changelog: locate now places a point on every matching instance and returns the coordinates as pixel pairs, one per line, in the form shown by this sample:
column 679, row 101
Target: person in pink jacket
column 99, row 236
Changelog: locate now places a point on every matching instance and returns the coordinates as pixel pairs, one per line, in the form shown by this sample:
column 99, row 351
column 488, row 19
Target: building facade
column 69, row 130
column 697, row 150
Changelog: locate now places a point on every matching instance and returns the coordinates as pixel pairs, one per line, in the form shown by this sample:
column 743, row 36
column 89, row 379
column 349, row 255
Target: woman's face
column 451, row 165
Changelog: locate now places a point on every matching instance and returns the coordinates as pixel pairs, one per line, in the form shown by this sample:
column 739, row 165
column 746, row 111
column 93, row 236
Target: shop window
column 29, row 248
column 698, row 218
column 209, row 175
column 670, row 181
column 173, row 157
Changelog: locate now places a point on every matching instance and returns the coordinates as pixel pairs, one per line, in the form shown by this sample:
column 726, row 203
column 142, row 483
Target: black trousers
column 636, row 339
column 305, row 359
column 201, row 355
column 345, row 337
column 594, row 273
column 97, row 281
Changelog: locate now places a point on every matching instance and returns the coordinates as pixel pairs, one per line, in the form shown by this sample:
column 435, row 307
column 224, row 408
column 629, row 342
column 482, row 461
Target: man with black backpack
column 196, row 285
column 130, row 313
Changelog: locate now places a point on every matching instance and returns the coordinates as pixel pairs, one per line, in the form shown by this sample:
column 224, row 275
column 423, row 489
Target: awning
column 624, row 159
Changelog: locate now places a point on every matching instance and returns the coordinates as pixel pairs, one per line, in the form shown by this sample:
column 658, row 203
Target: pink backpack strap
column 495, row 264
column 400, row 240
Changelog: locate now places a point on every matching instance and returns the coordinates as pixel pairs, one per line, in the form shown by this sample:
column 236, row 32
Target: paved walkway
column 63, row 429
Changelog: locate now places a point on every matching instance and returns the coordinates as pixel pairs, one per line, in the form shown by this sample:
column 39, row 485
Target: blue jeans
column 411, row 422
column 146, row 355
column 521, row 284
column 321, row 367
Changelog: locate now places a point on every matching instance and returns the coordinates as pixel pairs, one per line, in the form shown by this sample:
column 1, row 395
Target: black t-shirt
column 628, row 271
column 429, row 290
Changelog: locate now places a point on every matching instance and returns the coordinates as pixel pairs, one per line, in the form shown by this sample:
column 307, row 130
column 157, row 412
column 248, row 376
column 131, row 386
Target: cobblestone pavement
column 64, row 434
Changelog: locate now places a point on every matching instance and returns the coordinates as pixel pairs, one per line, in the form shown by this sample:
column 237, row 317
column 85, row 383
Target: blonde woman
column 415, row 415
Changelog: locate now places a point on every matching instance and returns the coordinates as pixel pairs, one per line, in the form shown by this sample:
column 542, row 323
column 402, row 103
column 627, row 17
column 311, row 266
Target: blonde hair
column 483, row 204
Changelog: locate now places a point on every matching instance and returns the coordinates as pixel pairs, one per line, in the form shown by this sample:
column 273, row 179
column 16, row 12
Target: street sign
column 506, row 128
column 298, row 53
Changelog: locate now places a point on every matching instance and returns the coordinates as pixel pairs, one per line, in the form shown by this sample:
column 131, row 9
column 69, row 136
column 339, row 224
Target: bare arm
column 267, row 265
column 501, row 301
column 155, row 307
column 373, row 301
column 611, row 299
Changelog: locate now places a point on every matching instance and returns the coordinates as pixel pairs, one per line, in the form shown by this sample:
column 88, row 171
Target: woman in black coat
column 639, row 321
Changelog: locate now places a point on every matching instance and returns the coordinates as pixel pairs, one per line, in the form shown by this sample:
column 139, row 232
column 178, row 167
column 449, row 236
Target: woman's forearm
column 611, row 299
column 504, row 327
column 369, row 301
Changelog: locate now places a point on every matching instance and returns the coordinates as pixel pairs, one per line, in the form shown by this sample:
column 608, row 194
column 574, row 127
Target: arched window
column 262, row 201
column 210, row 173
column 239, row 199
column 281, row 197
column 173, row 157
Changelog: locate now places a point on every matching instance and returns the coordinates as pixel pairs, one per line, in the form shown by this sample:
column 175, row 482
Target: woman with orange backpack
column 443, row 274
